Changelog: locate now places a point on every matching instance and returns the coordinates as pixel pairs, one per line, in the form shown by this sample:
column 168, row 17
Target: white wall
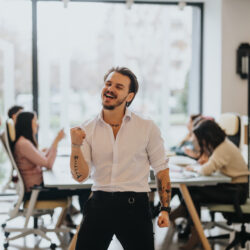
column 236, row 29
column 226, row 25
column 212, row 58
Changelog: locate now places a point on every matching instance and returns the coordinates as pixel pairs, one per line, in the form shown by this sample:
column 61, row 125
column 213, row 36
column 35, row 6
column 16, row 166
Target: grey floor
column 32, row 242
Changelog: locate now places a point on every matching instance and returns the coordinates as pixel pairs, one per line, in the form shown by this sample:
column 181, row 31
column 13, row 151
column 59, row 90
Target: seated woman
column 226, row 158
column 189, row 147
column 30, row 159
column 186, row 146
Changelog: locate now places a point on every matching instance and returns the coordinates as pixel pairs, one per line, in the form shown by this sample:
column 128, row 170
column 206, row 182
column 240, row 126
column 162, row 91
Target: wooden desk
column 61, row 178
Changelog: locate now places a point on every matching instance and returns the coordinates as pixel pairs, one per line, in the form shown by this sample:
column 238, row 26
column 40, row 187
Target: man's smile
column 109, row 95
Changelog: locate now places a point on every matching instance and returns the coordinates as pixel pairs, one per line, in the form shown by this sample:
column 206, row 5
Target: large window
column 15, row 54
column 15, row 62
column 78, row 44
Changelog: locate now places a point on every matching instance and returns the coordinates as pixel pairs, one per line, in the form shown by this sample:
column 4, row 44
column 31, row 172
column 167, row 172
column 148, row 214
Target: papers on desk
column 183, row 175
column 180, row 172
column 181, row 160
column 178, row 164
column 190, row 174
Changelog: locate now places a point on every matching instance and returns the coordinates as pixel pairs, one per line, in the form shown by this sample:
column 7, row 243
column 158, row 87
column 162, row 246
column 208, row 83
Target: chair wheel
column 5, row 245
column 6, row 234
column 53, row 246
column 4, row 225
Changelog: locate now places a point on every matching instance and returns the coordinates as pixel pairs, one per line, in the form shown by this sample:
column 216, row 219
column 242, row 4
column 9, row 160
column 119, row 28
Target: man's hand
column 164, row 189
column 79, row 167
column 163, row 219
column 77, row 135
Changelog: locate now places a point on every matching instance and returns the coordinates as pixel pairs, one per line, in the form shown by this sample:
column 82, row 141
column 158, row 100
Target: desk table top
column 61, row 177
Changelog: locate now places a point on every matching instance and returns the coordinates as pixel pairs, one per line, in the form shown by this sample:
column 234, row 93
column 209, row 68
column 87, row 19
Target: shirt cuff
column 160, row 168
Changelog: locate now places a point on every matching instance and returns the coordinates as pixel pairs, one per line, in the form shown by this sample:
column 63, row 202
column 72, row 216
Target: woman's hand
column 203, row 159
column 190, row 153
column 58, row 138
column 190, row 168
column 60, row 135
column 44, row 150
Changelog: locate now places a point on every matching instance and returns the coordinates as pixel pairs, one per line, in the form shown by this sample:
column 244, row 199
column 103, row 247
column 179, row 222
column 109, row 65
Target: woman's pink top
column 30, row 161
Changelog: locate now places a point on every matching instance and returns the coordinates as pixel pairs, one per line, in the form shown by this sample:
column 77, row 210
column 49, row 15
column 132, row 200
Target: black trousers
column 124, row 214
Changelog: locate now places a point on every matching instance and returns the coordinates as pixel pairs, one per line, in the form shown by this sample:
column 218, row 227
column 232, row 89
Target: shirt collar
column 127, row 116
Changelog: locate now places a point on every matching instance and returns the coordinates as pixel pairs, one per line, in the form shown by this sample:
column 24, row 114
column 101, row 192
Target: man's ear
column 130, row 96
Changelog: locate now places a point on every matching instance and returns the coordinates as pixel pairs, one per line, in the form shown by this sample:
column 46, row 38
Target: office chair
column 234, row 213
column 12, row 180
column 231, row 124
column 32, row 208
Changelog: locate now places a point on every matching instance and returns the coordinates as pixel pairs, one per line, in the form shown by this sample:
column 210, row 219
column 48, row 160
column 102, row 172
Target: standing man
column 117, row 148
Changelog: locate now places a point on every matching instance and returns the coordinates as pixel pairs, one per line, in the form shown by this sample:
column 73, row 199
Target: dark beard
column 108, row 107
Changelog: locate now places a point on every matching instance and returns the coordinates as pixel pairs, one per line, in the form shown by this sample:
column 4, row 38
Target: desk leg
column 194, row 216
column 72, row 244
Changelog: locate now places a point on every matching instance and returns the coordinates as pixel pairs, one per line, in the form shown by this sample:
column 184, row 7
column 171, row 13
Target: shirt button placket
column 114, row 164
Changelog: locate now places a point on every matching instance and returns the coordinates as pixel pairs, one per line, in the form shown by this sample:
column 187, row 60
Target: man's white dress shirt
column 123, row 163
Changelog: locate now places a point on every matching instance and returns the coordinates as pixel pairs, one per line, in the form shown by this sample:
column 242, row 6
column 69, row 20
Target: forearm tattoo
column 164, row 189
column 77, row 174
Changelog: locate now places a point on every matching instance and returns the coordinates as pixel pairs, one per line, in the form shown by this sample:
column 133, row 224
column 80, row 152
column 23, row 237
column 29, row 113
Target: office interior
column 54, row 54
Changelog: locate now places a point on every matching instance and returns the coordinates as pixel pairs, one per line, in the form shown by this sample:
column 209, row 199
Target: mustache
column 110, row 93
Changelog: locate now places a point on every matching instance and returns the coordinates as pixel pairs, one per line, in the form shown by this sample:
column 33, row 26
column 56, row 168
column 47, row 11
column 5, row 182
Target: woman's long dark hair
column 209, row 135
column 24, row 127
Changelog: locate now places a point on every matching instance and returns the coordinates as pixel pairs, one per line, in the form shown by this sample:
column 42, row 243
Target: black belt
column 118, row 194
column 130, row 196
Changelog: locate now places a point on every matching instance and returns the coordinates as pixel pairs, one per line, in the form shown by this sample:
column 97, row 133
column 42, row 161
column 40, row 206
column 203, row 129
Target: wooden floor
column 32, row 242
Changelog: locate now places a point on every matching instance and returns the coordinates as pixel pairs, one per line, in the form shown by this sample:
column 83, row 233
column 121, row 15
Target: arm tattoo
column 78, row 175
column 159, row 185
column 164, row 189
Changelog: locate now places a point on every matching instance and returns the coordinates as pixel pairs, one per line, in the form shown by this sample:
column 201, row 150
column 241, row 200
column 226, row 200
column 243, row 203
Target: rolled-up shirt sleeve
column 156, row 151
